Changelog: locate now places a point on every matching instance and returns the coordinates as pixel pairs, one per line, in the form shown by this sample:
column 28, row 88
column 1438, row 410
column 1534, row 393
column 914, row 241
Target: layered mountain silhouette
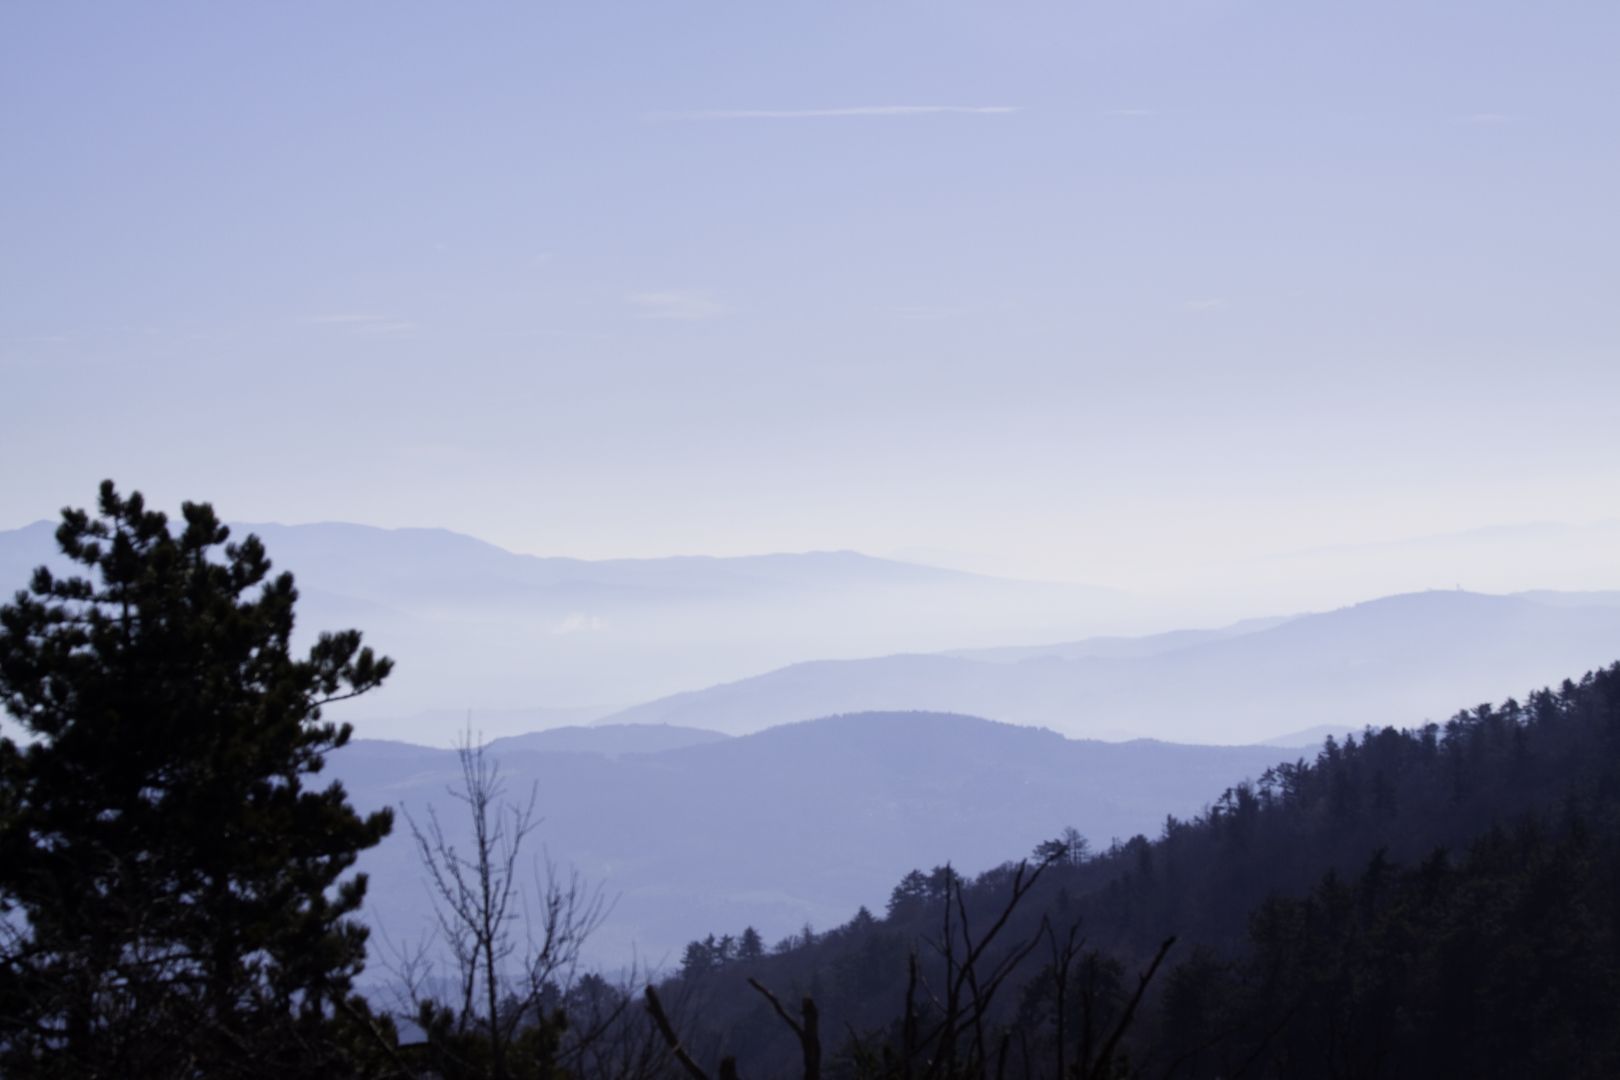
column 511, row 643
column 475, row 627
column 1407, row 658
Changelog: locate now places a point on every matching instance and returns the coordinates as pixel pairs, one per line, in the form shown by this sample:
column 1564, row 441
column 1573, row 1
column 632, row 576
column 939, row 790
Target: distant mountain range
column 1118, row 648
column 695, row 832
column 476, row 628
column 509, row 643
column 1496, row 559
column 712, row 808
column 611, row 740
column 1408, row 658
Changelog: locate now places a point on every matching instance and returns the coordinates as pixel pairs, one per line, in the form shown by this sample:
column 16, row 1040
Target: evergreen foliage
column 172, row 894
column 1432, row 902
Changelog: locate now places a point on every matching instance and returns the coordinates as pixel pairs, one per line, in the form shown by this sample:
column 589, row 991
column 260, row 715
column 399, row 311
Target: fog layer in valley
column 698, row 805
column 519, row 643
column 474, row 627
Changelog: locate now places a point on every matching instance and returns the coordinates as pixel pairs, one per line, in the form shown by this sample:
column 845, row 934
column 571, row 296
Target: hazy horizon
column 902, row 491
column 1129, row 296
column 1497, row 558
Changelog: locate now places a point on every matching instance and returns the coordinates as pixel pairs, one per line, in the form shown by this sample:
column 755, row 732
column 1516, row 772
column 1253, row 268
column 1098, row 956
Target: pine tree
column 172, row 895
column 909, row 896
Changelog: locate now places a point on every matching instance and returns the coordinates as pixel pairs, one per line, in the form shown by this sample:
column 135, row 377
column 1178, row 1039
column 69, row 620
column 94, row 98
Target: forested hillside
column 1440, row 901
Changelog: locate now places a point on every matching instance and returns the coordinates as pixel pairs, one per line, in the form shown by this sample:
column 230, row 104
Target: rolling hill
column 1406, row 657
column 802, row 823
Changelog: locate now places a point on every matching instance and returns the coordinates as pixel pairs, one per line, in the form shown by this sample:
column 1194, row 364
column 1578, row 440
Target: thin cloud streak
column 350, row 319
column 677, row 305
column 851, row 110
column 367, row 324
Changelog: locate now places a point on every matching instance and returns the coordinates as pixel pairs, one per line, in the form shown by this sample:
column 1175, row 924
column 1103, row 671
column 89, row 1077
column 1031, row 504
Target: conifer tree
column 172, row 895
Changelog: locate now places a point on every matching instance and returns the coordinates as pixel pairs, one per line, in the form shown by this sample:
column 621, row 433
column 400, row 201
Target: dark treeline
column 1444, row 901
column 176, row 897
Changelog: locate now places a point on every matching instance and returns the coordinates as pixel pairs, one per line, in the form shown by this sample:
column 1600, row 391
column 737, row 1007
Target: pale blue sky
column 1099, row 291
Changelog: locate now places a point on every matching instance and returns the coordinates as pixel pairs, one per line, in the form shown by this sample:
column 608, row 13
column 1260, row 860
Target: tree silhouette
column 514, row 950
column 172, row 896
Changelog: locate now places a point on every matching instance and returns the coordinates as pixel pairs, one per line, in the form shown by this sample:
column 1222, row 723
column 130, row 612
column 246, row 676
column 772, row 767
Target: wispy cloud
column 927, row 312
column 676, row 305
column 578, row 622
column 848, row 110
column 371, row 325
column 1213, row 303
column 339, row 320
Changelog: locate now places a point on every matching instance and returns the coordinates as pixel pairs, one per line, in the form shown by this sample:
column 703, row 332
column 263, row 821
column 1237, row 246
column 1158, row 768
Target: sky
column 1115, row 293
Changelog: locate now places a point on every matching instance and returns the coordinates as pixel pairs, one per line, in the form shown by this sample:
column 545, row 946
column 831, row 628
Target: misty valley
column 927, row 540
column 1287, row 855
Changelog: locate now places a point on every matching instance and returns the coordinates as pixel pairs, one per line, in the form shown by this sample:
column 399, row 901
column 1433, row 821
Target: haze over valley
column 772, row 741
column 1405, row 658
column 514, row 643
column 803, row 823
column 871, row 541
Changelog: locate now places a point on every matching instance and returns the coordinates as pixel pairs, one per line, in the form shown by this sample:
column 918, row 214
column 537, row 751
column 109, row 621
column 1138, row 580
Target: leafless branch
column 667, row 1030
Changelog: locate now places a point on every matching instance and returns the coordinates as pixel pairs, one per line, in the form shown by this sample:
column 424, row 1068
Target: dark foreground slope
column 1433, row 902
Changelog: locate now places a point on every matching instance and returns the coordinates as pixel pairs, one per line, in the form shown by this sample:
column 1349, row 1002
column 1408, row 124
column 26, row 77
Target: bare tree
column 609, row 1039
column 807, row 1029
column 957, row 1044
column 514, row 943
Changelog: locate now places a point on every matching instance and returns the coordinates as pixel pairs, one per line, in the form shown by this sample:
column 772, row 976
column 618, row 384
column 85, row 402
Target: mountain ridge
column 475, row 627
column 1406, row 656
column 812, row 819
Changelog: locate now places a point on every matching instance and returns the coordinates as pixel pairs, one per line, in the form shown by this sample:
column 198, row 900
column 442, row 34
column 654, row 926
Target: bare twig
column 808, row 1033
column 1104, row 1060
column 667, row 1030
